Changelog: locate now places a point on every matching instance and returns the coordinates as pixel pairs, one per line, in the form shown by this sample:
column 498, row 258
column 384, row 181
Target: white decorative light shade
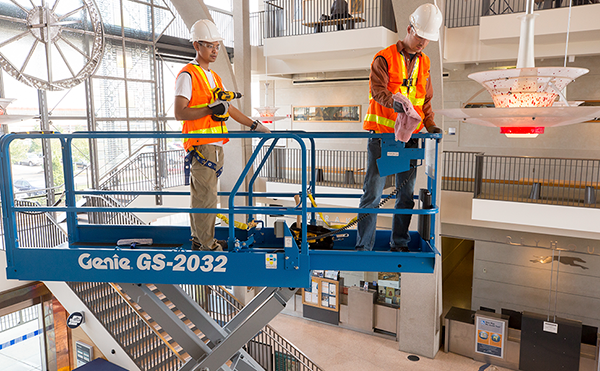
column 4, row 102
column 267, row 115
column 10, row 119
column 527, row 87
column 266, row 111
column 524, row 96
column 523, row 116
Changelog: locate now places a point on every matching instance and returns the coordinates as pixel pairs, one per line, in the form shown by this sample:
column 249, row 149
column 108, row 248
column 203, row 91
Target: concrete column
column 419, row 327
column 242, row 63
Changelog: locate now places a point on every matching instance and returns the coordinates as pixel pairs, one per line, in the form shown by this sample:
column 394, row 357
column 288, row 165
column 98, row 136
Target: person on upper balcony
column 400, row 68
column 339, row 10
column 201, row 113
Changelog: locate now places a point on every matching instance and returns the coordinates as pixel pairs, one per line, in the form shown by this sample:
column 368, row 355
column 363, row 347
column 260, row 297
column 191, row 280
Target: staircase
column 146, row 346
column 143, row 173
column 151, row 348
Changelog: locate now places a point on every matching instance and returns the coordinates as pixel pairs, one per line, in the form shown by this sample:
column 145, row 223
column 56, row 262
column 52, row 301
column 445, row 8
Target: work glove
column 219, row 107
column 260, row 127
column 398, row 107
column 263, row 129
column 434, row 129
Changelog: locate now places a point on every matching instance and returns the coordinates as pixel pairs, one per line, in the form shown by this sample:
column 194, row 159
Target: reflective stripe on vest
column 382, row 119
column 201, row 97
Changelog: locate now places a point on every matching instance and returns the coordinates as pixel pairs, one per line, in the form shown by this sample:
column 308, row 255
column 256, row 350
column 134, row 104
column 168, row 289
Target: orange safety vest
column 382, row 119
column 201, row 97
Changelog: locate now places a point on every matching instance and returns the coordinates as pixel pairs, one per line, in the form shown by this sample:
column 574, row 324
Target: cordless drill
column 220, row 96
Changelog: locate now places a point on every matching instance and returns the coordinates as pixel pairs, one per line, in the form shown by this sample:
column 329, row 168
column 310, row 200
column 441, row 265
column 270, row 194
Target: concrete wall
column 519, row 278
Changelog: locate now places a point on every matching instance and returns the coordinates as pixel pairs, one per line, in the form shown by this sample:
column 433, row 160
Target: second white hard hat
column 205, row 30
column 426, row 21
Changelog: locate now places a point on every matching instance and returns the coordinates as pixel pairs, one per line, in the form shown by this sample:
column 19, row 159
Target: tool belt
column 187, row 164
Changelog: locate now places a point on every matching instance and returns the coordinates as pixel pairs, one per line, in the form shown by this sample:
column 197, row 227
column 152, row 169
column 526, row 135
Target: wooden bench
column 334, row 22
column 348, row 173
column 536, row 187
column 558, row 183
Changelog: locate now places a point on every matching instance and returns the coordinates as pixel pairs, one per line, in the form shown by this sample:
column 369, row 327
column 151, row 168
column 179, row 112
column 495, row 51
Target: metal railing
column 463, row 13
column 116, row 218
column 257, row 26
column 136, row 337
column 556, row 181
column 458, row 171
column 35, row 229
column 19, row 318
column 292, row 17
column 215, row 300
column 267, row 347
column 224, row 22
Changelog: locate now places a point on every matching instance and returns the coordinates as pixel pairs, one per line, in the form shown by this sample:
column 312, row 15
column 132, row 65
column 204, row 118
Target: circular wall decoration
column 54, row 46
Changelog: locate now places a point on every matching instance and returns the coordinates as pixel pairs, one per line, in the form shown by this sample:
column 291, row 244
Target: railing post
column 478, row 175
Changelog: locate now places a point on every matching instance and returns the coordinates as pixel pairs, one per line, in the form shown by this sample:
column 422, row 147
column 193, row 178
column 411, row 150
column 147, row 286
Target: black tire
column 30, row 163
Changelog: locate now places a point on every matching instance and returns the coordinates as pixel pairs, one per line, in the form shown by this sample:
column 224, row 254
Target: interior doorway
column 457, row 273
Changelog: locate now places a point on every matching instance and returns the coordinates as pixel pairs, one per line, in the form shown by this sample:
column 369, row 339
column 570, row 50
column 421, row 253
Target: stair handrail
column 110, row 201
column 124, row 162
column 227, row 296
column 128, row 301
column 286, row 344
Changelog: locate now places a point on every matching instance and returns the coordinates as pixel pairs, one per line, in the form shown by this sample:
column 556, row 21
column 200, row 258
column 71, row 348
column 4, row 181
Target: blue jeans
column 372, row 190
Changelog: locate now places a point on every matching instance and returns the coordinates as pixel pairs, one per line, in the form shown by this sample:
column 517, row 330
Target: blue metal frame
column 255, row 258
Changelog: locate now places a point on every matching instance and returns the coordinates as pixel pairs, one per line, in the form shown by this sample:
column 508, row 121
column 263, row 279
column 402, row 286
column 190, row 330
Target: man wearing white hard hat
column 401, row 69
column 201, row 113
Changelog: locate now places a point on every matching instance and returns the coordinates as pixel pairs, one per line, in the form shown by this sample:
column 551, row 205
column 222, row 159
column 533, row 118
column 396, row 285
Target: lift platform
column 260, row 256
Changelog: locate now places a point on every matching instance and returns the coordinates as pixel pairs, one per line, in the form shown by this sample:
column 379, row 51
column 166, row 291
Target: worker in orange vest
column 400, row 68
column 196, row 106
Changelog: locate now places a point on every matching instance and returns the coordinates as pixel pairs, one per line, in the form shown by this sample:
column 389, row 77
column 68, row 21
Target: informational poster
column 325, row 287
column 314, row 297
column 490, row 335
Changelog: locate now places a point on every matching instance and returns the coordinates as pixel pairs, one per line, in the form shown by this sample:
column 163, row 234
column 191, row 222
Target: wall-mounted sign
column 326, row 114
column 84, row 353
column 490, row 336
column 75, row 319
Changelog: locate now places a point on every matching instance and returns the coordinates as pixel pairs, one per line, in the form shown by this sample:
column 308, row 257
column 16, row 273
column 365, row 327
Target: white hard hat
column 205, row 30
column 426, row 21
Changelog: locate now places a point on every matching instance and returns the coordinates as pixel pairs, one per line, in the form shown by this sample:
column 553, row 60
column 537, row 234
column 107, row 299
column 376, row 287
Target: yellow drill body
column 224, row 95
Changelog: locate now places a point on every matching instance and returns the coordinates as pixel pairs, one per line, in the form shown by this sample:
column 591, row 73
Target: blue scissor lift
column 265, row 256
